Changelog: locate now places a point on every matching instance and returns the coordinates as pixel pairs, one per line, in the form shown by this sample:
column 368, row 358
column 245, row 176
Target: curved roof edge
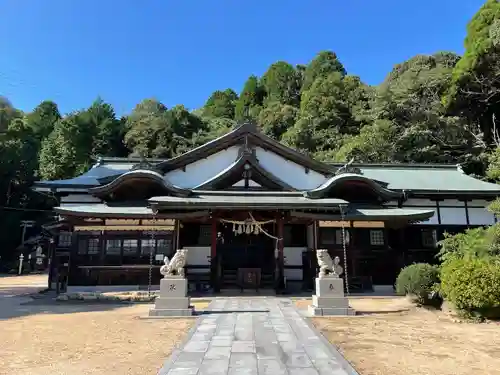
column 332, row 182
column 246, row 129
column 153, row 176
column 239, row 164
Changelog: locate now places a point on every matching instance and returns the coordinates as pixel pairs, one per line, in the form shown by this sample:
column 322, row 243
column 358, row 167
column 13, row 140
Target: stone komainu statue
column 174, row 267
column 327, row 266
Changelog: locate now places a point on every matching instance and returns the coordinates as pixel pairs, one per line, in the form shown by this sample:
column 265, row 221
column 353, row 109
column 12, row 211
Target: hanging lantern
column 256, row 230
column 240, row 229
column 248, row 229
column 234, row 228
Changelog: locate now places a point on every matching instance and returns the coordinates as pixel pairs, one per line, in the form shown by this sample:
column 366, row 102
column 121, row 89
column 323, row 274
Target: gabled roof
column 330, row 184
column 147, row 176
column 246, row 132
column 415, row 179
column 427, row 178
column 246, row 163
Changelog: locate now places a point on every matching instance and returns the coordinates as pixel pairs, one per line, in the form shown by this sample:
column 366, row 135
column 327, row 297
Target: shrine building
column 246, row 202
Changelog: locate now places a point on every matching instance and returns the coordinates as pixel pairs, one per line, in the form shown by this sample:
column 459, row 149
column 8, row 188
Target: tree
column 105, row 130
column 61, row 152
column 277, row 118
column 144, row 124
column 475, row 88
column 325, row 63
column 221, row 104
column 250, row 101
column 281, row 82
column 43, row 118
column 374, row 143
column 7, row 113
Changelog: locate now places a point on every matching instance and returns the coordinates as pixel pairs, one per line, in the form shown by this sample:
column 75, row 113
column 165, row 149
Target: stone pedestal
column 329, row 298
column 173, row 299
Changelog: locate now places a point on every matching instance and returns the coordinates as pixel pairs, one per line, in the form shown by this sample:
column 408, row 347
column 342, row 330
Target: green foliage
column 374, row 143
column 430, row 108
column 472, row 285
column 473, row 243
column 7, row 113
column 277, row 118
column 43, row 118
column 475, row 88
column 418, row 281
column 325, row 63
column 155, row 131
column 221, row 104
column 281, row 82
column 250, row 101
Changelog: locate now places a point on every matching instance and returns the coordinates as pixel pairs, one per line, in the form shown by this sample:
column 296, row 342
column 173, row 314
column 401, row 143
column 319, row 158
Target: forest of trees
column 441, row 108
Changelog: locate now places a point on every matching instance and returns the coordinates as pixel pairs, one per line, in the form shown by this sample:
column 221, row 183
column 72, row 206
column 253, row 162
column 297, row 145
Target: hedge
column 472, row 286
column 418, row 281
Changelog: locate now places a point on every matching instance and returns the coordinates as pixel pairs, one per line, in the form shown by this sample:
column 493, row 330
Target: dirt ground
column 392, row 337
column 114, row 341
column 24, row 280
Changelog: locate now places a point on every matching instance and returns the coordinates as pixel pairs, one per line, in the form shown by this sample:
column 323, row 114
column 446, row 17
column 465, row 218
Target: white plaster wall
column 293, row 274
column 419, row 202
column 478, row 203
column 453, row 215
column 478, row 212
column 293, row 255
column 293, row 174
column 293, row 258
column 434, row 220
column 198, row 256
column 204, row 169
column 77, row 199
column 424, row 204
column 480, row 216
column 452, row 203
column 251, row 183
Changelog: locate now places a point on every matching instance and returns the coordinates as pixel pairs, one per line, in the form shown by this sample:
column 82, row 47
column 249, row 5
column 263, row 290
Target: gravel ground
column 393, row 337
column 64, row 342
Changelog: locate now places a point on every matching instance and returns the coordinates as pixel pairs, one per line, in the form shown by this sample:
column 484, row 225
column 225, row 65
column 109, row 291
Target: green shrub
column 418, row 282
column 472, row 286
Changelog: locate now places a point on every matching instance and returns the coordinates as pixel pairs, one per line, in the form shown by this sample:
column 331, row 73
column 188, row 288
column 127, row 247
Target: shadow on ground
column 18, row 307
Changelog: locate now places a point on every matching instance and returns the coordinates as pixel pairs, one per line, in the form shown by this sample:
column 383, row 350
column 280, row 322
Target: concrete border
column 167, row 365
column 333, row 349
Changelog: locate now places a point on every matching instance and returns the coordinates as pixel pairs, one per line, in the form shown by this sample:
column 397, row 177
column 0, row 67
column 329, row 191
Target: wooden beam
column 334, row 224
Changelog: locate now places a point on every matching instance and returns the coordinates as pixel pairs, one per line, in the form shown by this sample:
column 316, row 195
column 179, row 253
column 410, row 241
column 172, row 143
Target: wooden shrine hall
column 251, row 213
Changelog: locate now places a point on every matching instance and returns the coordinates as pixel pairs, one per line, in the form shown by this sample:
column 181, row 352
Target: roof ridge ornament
column 145, row 164
column 348, row 168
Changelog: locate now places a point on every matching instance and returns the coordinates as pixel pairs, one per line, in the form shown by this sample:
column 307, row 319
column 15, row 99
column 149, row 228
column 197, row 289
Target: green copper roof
column 427, row 178
column 229, row 200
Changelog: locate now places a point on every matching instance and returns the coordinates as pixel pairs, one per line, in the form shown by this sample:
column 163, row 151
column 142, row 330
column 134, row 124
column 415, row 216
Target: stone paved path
column 255, row 336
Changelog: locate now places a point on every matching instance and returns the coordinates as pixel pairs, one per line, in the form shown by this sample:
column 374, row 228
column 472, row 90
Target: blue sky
column 72, row 51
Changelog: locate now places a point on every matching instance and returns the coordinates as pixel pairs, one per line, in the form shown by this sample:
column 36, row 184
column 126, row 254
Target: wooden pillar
column 315, row 235
column 213, row 248
column 177, row 230
column 281, row 260
column 52, row 261
column 214, row 260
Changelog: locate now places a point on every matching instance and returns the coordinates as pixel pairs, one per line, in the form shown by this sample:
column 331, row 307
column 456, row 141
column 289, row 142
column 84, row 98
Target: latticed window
column 93, row 246
column 64, row 239
column 130, row 247
column 377, row 237
column 429, row 238
column 113, row 247
column 164, row 246
column 205, row 235
column 147, row 245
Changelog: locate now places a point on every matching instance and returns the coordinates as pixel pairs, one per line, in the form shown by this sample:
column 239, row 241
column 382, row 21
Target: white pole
column 21, row 258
